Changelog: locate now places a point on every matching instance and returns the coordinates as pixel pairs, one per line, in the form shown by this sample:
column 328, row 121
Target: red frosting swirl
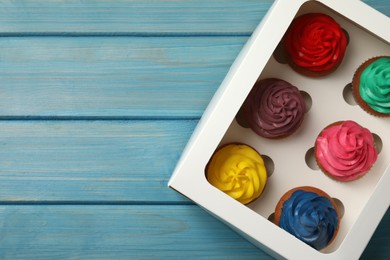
column 345, row 151
column 315, row 42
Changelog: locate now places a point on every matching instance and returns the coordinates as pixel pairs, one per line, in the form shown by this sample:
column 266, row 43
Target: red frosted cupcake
column 315, row 44
column 345, row 151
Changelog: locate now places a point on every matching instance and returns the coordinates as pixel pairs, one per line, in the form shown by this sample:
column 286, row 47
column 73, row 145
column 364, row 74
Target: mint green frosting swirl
column 375, row 85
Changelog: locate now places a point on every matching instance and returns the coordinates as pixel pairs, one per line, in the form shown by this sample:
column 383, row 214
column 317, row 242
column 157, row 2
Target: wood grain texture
column 136, row 232
column 137, row 16
column 112, row 76
column 131, row 16
column 91, row 161
column 119, row 232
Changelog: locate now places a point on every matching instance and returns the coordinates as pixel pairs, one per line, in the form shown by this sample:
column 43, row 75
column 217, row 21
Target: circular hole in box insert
column 346, row 35
column 348, row 95
column 269, row 164
column 311, row 160
column 340, row 206
column 279, row 54
column 308, row 100
column 377, row 142
column 240, row 119
column 272, row 217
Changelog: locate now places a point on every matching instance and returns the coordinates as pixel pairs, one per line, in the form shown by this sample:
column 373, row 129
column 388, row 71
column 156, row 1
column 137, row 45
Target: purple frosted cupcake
column 274, row 108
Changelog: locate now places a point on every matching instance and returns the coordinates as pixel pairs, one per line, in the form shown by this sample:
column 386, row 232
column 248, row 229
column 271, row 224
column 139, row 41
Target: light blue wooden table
column 98, row 99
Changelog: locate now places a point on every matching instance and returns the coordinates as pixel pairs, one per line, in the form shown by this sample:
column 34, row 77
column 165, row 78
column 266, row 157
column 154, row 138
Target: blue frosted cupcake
column 310, row 215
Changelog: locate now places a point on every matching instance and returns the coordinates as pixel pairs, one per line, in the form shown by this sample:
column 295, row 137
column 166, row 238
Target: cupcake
column 274, row 108
column 345, row 151
column 315, row 44
column 310, row 215
column 371, row 86
column 239, row 171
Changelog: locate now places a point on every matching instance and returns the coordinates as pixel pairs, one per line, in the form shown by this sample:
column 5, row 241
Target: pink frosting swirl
column 345, row 151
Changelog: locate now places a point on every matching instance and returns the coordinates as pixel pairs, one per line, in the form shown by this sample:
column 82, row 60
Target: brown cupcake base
column 310, row 73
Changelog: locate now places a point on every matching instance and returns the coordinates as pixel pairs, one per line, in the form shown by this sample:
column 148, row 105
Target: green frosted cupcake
column 371, row 86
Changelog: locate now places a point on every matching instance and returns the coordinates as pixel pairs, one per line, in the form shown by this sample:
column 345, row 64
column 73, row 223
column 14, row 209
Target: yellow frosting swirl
column 239, row 171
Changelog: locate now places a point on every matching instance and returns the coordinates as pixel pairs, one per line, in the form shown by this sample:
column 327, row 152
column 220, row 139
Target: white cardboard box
column 364, row 201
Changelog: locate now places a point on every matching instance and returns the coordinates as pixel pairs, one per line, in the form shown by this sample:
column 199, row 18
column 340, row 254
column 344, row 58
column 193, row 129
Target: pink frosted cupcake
column 345, row 151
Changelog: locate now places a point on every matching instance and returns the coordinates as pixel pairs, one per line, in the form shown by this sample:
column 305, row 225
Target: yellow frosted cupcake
column 239, row 171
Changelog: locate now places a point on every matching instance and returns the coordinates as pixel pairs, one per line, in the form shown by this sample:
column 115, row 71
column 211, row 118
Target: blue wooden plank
column 138, row 16
column 91, row 161
column 123, row 232
column 378, row 247
column 131, row 16
column 112, row 76
column 120, row 232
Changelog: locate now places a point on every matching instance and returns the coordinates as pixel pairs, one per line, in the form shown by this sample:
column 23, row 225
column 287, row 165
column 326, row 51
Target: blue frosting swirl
column 309, row 217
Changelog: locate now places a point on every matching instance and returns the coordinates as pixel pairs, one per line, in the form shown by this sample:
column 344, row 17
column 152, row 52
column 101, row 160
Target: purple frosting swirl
column 274, row 108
